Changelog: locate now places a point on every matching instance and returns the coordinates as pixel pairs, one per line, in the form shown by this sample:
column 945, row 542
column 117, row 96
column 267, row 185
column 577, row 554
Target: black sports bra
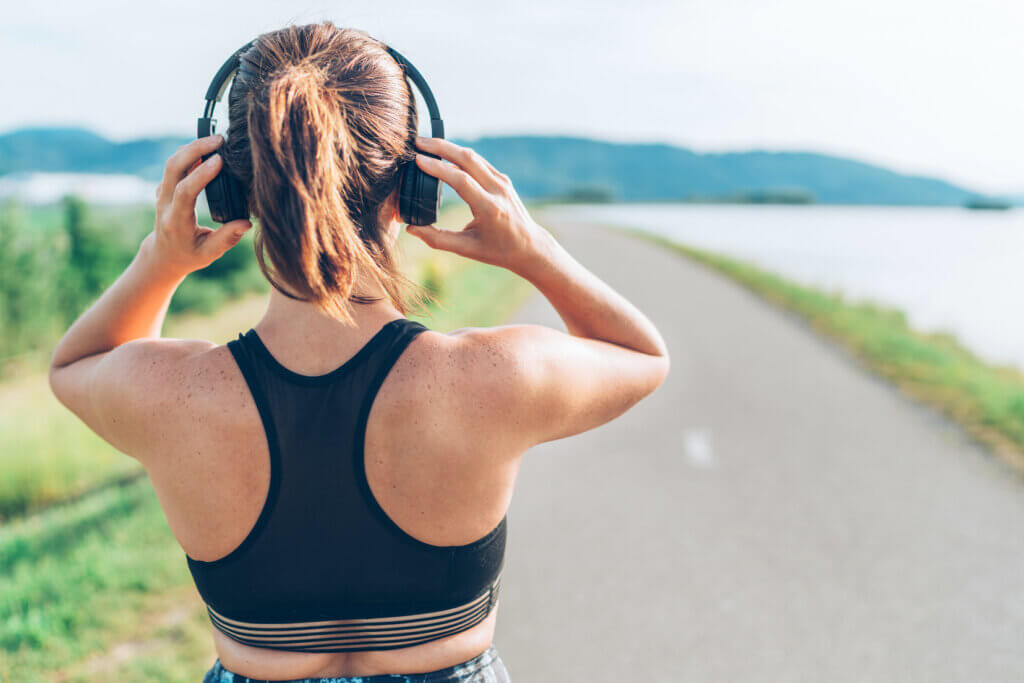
column 324, row 569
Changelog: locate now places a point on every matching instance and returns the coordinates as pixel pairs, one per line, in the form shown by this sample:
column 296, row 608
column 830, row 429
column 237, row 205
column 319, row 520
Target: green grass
column 97, row 588
column 55, row 260
column 934, row 368
column 76, row 576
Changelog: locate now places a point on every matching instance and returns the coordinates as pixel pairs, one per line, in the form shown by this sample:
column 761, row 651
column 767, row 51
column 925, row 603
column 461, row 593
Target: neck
column 294, row 318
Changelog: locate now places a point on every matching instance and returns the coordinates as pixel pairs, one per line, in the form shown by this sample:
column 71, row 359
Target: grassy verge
column 934, row 368
column 78, row 576
column 98, row 589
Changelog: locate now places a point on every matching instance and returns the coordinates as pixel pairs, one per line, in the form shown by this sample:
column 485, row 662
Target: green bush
column 55, row 261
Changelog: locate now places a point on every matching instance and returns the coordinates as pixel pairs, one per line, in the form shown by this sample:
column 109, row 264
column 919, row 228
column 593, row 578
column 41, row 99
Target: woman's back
column 320, row 512
column 321, row 528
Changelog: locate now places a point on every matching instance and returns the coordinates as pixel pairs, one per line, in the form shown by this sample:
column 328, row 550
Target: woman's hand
column 178, row 244
column 502, row 232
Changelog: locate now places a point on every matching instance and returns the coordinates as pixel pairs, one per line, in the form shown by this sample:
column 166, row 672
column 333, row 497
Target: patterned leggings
column 486, row 667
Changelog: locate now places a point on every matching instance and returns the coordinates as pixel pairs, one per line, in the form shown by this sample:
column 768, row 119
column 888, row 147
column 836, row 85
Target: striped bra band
column 350, row 635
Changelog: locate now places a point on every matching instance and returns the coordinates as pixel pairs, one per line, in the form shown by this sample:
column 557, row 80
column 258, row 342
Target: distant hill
column 74, row 150
column 546, row 166
column 559, row 167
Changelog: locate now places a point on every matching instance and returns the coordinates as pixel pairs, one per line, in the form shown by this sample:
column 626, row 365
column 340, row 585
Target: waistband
column 462, row 671
column 348, row 635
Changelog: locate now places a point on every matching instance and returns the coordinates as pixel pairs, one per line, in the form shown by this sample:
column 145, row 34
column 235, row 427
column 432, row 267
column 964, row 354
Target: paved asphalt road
column 771, row 513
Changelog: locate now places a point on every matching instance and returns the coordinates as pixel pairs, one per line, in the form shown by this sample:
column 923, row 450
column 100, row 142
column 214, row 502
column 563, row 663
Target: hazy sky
column 926, row 86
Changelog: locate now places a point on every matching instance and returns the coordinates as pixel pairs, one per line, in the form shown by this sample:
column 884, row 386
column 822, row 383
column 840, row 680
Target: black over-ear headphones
column 419, row 194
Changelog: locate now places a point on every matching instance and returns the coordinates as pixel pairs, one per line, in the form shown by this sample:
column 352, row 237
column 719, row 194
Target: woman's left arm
column 99, row 367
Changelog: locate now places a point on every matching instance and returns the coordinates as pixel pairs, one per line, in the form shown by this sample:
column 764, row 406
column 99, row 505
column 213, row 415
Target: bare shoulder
column 151, row 396
column 472, row 365
column 172, row 373
column 468, row 382
column 516, row 386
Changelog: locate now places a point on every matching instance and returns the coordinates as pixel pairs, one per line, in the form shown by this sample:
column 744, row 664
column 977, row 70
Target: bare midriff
column 256, row 662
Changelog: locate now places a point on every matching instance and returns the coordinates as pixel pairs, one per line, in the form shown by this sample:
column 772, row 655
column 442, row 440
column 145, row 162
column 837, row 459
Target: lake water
column 949, row 269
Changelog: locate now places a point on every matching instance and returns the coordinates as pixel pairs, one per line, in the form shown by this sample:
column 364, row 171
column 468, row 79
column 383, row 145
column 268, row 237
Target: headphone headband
column 220, row 80
column 224, row 74
column 419, row 193
column 436, row 124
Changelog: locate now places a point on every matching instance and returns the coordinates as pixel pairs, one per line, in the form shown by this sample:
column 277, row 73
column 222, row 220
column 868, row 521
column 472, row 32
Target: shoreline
column 984, row 399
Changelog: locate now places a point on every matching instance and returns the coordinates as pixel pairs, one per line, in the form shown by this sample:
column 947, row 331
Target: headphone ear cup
column 226, row 198
column 430, row 197
column 405, row 192
column 238, row 198
column 419, row 196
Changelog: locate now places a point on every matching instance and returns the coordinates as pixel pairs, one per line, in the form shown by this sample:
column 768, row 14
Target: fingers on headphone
column 188, row 189
column 439, row 146
column 463, row 183
column 225, row 237
column 466, row 158
column 178, row 165
column 472, row 163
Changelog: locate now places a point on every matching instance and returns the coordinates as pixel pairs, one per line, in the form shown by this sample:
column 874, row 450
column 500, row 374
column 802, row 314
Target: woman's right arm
column 539, row 383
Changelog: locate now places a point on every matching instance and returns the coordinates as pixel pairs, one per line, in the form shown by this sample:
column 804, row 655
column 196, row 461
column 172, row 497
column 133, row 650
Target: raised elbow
column 656, row 373
column 663, row 366
column 56, row 377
